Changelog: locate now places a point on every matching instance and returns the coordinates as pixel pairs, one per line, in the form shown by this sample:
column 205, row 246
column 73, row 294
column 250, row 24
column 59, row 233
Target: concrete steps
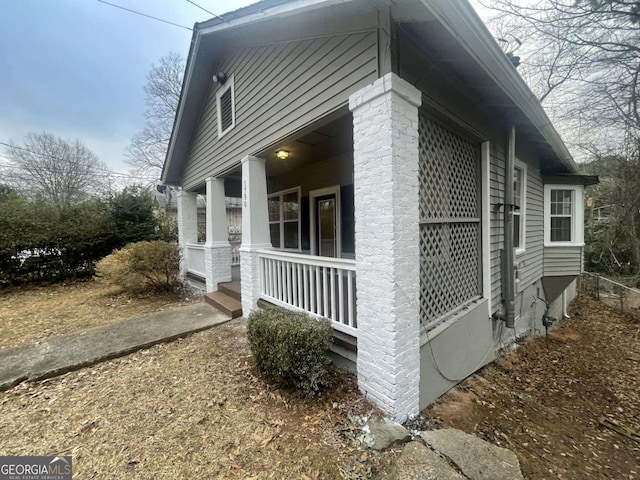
column 226, row 299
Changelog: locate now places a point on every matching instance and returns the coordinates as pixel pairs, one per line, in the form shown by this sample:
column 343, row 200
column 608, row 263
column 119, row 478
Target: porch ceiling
column 325, row 139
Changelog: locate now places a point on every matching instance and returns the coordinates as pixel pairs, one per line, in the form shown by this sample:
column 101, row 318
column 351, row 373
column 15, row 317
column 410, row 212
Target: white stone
column 255, row 229
column 387, row 243
column 217, row 250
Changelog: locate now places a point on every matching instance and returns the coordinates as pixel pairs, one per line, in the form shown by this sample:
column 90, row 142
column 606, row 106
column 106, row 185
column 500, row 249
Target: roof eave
column 465, row 25
column 184, row 91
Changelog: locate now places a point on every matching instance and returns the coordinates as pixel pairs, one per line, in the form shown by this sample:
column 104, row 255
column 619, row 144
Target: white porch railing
column 235, row 252
column 319, row 286
column 194, row 256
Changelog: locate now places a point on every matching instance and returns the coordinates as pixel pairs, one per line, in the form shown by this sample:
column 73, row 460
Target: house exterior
column 193, row 274
column 426, row 205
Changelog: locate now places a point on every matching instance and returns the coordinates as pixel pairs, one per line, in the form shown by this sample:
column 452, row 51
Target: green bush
column 290, row 348
column 43, row 241
column 143, row 267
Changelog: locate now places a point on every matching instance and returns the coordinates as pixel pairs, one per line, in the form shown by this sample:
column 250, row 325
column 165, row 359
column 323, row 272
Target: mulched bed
column 568, row 406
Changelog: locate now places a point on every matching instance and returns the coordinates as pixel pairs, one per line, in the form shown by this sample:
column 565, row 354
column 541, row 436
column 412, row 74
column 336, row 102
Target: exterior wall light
column 220, row 78
column 282, row 154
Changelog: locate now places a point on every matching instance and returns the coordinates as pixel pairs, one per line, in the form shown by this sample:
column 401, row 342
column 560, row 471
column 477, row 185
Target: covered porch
column 338, row 226
column 305, row 223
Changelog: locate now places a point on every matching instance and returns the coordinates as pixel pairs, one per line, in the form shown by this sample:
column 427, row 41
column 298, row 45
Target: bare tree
column 148, row 147
column 60, row 171
column 582, row 59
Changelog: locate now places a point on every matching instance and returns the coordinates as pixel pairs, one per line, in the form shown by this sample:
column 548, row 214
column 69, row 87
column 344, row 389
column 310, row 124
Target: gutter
column 283, row 9
column 507, row 263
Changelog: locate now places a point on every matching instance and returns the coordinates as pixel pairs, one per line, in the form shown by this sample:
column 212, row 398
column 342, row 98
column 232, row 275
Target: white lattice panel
column 450, row 221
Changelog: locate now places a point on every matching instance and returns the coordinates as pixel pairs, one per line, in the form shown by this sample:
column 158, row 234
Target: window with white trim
column 226, row 107
column 284, row 219
column 563, row 215
column 520, row 209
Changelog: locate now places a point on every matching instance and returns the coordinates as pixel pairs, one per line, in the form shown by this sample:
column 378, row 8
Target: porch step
column 223, row 302
column 231, row 289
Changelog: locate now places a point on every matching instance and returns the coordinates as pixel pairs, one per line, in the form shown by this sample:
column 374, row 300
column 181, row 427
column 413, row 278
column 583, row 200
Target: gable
column 278, row 89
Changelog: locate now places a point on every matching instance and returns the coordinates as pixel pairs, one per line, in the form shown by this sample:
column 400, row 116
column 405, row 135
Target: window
column 226, row 107
column 284, row 219
column 520, row 210
column 563, row 215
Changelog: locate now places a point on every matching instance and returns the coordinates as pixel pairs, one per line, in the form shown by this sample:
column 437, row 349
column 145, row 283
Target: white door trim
column 313, row 194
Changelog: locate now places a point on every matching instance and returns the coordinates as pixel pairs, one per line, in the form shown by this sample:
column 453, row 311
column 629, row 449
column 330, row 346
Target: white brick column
column 255, row 229
column 217, row 250
column 187, row 225
column 385, row 164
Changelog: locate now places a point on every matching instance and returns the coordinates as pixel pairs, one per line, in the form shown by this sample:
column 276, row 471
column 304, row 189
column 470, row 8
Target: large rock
column 384, row 433
column 477, row 459
column 417, row 462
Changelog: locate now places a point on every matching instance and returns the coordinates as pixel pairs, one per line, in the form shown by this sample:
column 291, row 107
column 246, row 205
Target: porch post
column 385, row 137
column 217, row 251
column 187, row 225
column 255, row 229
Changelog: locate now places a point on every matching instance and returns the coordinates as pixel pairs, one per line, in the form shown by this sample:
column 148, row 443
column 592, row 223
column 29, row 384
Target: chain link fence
column 615, row 294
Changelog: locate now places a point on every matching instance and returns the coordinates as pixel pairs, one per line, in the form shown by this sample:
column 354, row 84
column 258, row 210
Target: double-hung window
column 284, row 219
column 563, row 215
column 520, row 206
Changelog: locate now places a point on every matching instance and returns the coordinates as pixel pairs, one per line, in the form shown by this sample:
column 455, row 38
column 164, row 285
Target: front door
column 327, row 240
column 325, row 222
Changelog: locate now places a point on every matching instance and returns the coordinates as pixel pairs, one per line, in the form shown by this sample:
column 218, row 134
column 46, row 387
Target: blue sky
column 76, row 68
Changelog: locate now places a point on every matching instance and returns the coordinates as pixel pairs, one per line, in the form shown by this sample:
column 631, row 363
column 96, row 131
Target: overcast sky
column 76, row 68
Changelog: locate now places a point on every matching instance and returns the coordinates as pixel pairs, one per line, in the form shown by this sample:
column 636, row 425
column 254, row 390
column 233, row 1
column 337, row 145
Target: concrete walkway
column 57, row 355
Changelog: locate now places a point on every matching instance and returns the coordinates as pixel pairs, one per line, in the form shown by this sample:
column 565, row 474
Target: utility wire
column 28, row 151
column 91, row 170
column 58, row 170
column 145, row 15
column 205, row 10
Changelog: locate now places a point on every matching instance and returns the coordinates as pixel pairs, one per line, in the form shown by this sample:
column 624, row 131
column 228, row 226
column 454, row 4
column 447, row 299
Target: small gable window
column 226, row 108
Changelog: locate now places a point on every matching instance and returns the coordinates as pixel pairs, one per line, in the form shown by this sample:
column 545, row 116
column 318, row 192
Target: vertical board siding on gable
column 279, row 89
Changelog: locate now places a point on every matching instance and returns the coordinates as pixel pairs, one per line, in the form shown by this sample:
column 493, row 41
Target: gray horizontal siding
column 278, row 90
column 530, row 262
column 496, row 192
column 562, row 261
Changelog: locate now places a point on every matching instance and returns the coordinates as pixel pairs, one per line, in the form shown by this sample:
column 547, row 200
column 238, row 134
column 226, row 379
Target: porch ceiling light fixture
column 282, row 154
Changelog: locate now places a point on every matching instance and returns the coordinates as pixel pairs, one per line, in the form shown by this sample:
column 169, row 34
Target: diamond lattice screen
column 449, row 220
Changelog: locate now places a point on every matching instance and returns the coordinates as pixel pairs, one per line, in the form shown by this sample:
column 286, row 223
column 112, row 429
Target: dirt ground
column 569, row 407
column 198, row 408
column 31, row 313
column 195, row 408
